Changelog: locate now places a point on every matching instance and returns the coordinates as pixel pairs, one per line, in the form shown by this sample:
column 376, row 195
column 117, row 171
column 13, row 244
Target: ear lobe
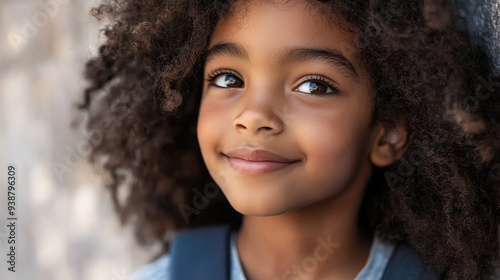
column 389, row 144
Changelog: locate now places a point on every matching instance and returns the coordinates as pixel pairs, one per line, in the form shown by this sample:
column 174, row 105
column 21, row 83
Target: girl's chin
column 261, row 209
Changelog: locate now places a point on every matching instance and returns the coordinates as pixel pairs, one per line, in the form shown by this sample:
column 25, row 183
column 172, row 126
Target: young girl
column 351, row 139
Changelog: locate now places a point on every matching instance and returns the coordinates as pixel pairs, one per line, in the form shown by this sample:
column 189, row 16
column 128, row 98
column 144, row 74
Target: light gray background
column 66, row 229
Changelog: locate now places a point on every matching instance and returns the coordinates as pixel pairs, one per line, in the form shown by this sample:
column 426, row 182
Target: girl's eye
column 225, row 80
column 316, row 86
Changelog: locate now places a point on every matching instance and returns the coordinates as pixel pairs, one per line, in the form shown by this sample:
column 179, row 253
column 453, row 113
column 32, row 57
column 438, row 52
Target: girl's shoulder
column 161, row 268
column 387, row 260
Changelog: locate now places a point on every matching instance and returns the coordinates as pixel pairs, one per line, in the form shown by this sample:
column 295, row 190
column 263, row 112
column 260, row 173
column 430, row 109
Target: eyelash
column 317, row 78
column 309, row 78
column 217, row 73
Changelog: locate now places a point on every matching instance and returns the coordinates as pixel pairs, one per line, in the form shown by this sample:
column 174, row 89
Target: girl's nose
column 260, row 115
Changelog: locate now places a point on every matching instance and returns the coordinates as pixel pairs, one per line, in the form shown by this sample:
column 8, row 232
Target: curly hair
column 441, row 197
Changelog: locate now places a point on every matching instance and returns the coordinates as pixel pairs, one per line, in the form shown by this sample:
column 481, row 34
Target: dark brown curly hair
column 442, row 196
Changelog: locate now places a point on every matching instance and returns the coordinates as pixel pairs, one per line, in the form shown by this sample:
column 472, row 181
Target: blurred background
column 66, row 228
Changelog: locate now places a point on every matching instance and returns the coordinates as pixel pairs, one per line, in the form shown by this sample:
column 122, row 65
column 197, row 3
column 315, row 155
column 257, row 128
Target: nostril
column 255, row 122
column 240, row 126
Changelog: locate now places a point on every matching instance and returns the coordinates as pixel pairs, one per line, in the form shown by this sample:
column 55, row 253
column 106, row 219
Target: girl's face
column 283, row 78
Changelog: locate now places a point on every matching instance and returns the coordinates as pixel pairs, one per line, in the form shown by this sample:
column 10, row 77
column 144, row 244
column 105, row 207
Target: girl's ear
column 389, row 145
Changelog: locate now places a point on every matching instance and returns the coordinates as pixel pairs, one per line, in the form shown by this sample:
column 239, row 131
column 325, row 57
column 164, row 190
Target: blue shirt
column 379, row 255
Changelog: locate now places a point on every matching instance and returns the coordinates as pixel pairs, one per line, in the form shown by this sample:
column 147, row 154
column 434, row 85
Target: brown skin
column 330, row 134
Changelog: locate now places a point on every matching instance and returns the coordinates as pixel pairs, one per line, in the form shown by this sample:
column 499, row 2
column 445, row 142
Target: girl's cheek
column 210, row 121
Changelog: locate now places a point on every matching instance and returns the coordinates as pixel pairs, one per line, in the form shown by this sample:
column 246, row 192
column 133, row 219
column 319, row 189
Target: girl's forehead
column 308, row 9
column 275, row 26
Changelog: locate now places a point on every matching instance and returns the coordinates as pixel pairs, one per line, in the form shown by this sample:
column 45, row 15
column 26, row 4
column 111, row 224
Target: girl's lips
column 257, row 161
column 256, row 167
column 249, row 154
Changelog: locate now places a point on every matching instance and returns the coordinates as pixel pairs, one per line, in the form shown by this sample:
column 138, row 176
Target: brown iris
column 232, row 81
column 317, row 88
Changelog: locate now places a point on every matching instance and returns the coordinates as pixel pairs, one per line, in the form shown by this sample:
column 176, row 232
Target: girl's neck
column 320, row 241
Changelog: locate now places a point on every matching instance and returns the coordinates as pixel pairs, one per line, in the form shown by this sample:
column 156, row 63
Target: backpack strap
column 406, row 264
column 201, row 253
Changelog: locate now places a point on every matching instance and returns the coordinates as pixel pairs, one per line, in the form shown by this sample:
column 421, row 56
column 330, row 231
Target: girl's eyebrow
column 298, row 54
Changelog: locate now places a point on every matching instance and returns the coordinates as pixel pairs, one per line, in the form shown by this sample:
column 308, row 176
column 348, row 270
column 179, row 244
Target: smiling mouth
column 257, row 161
column 256, row 167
